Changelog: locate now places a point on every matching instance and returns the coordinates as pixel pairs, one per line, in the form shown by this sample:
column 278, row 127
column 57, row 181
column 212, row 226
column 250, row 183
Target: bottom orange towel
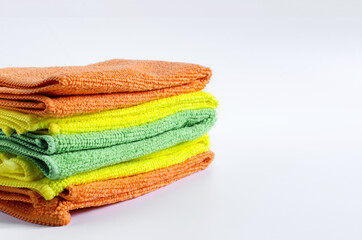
column 29, row 206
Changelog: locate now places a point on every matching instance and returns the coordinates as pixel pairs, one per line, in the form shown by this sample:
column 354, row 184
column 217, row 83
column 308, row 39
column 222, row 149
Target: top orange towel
column 64, row 91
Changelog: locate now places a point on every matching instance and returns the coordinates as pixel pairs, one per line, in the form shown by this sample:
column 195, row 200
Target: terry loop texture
column 27, row 177
column 106, row 120
column 137, row 144
column 64, row 91
column 29, row 206
column 62, row 143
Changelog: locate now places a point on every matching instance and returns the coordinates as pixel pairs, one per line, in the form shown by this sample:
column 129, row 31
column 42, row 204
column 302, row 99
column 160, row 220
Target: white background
column 288, row 139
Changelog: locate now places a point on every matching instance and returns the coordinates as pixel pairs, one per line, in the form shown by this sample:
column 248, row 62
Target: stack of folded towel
column 85, row 136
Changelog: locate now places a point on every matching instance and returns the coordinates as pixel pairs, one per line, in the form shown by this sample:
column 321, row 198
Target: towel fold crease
column 65, row 91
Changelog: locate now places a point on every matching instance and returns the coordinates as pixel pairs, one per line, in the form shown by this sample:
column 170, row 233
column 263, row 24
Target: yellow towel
column 106, row 120
column 25, row 174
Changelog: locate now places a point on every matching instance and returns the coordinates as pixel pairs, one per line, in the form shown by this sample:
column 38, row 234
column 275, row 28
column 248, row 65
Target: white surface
column 288, row 139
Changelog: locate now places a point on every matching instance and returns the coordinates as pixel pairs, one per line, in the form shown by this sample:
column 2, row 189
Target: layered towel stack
column 85, row 136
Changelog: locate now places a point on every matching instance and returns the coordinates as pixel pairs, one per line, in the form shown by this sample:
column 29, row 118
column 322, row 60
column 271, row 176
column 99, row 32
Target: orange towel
column 64, row 91
column 29, row 206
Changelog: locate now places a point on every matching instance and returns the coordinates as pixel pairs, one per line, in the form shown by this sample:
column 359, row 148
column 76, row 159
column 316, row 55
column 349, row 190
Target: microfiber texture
column 65, row 91
column 140, row 141
column 62, row 143
column 29, row 206
column 11, row 121
column 49, row 189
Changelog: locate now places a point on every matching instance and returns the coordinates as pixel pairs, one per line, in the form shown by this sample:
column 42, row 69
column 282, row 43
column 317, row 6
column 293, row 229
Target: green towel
column 61, row 156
